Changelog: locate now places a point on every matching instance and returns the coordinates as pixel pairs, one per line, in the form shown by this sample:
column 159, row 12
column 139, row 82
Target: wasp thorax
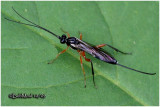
column 63, row 39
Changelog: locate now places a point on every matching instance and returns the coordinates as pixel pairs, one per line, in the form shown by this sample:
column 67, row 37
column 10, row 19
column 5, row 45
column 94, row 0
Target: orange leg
column 83, row 70
column 66, row 32
column 84, row 55
column 89, row 60
column 102, row 45
column 78, row 51
column 58, row 55
column 80, row 35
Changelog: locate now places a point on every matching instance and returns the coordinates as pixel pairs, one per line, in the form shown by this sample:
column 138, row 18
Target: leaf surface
column 128, row 26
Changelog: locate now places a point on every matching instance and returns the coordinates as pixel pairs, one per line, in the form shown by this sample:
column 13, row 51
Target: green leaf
column 128, row 26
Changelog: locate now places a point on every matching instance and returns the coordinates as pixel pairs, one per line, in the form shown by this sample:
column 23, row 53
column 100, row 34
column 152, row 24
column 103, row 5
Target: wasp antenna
column 19, row 22
column 136, row 70
column 23, row 17
column 33, row 24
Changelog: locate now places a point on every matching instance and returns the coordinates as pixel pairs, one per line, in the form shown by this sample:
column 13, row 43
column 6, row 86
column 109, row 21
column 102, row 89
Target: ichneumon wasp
column 82, row 48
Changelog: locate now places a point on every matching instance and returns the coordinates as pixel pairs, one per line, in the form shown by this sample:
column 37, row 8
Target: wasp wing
column 95, row 52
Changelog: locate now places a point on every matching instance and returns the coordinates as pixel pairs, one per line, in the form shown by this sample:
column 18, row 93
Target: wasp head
column 63, row 39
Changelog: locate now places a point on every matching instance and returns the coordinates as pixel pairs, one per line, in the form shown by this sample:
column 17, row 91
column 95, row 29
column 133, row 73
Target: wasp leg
column 65, row 32
column 58, row 55
column 80, row 35
column 83, row 69
column 117, row 50
column 89, row 60
column 102, row 45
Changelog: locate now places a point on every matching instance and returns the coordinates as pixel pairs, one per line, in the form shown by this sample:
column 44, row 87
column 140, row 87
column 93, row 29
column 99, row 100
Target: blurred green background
column 128, row 26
